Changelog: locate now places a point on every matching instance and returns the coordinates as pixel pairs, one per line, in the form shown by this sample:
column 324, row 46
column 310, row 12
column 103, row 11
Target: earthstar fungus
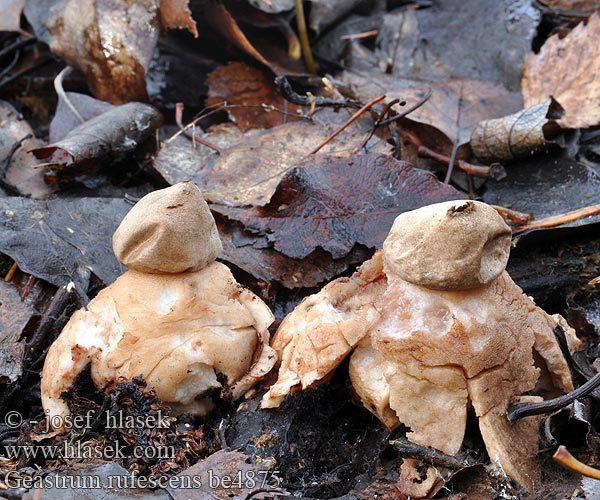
column 176, row 318
column 434, row 326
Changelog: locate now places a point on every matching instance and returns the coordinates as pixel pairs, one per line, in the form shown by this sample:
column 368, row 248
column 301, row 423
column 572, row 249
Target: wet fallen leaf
column 181, row 159
column 10, row 15
column 14, row 318
column 251, row 97
column 225, row 475
column 325, row 203
column 19, row 173
column 272, row 6
column 255, row 255
column 111, row 44
column 62, row 240
column 248, row 172
column 546, row 187
column 518, row 135
column 273, row 57
column 568, row 70
column 108, row 136
column 453, row 110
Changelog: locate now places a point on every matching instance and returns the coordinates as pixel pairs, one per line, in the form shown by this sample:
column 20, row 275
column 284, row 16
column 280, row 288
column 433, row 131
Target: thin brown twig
column 349, row 122
column 557, row 220
column 380, row 118
column 185, row 129
column 358, row 36
column 495, row 171
column 512, row 215
column 407, row 111
column 568, row 461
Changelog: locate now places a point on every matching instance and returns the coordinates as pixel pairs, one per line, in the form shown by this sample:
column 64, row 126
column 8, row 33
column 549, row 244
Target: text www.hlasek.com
column 66, row 450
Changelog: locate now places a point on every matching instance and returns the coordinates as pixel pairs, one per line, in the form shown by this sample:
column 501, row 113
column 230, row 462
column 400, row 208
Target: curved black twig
column 286, row 90
column 521, row 410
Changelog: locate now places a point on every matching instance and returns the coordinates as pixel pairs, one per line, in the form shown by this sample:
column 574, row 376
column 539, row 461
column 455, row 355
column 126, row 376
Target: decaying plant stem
column 303, row 33
column 568, row 461
column 557, row 220
column 494, row 171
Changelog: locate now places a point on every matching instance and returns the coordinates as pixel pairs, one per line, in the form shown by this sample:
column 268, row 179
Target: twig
column 12, row 64
column 352, row 119
column 23, row 42
column 60, row 91
column 568, row 461
column 11, row 272
column 285, row 89
column 259, row 491
column 407, row 111
column 518, row 411
column 303, row 33
column 192, row 136
column 428, row 455
column 494, row 171
column 42, row 61
column 512, row 215
column 557, row 220
column 380, row 118
column 358, row 36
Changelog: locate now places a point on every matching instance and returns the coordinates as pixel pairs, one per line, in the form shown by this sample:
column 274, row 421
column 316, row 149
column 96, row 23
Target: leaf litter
column 291, row 220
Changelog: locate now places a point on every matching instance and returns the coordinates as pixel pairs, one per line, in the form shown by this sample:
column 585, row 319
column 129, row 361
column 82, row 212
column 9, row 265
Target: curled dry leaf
column 110, row 135
column 518, row 135
column 568, row 69
column 20, row 172
column 251, row 96
column 587, row 6
column 324, row 203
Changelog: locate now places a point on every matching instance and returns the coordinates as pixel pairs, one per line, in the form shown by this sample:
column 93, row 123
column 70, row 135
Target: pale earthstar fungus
column 176, row 318
column 434, row 326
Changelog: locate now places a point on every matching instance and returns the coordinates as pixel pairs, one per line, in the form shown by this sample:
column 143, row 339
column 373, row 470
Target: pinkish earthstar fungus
column 434, row 326
column 176, row 318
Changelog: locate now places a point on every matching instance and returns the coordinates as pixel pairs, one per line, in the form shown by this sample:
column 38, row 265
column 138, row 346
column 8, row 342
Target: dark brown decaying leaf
column 14, row 317
column 518, row 135
column 254, row 254
column 272, row 6
column 252, row 95
column 335, row 203
column 20, row 172
column 587, row 6
column 110, row 43
column 217, row 474
column 454, row 109
column 111, row 135
column 248, row 172
column 181, row 159
column 10, row 15
column 175, row 14
column 568, row 69
column 64, row 239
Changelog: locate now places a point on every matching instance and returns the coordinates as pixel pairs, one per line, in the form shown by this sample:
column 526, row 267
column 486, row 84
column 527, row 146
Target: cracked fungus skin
column 184, row 334
column 422, row 358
